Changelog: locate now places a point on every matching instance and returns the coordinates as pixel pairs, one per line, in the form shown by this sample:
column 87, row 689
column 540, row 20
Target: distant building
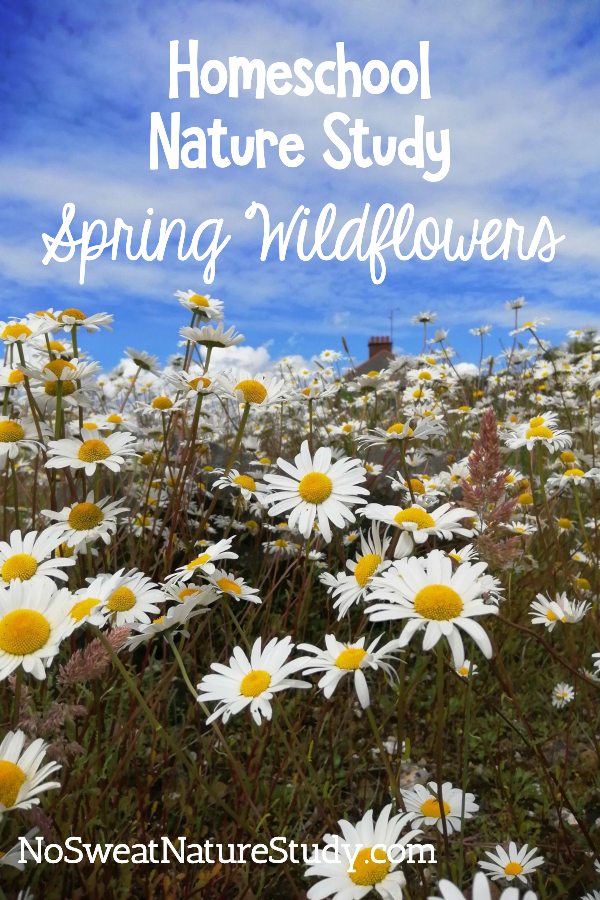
column 380, row 352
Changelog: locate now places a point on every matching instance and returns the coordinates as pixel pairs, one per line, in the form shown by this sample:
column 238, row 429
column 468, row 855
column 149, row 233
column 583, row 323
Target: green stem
column 385, row 758
column 17, row 701
column 15, row 492
column 438, row 749
column 465, row 770
column 57, row 423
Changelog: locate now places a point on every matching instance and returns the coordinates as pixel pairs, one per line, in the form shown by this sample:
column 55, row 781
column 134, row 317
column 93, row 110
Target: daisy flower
column 91, row 451
column 467, row 669
column 540, row 430
column 15, row 436
column 143, row 360
column 202, row 305
column 34, row 619
column 28, row 558
column 211, row 337
column 400, row 431
column 13, row 856
column 251, row 682
column 562, row 694
column 424, row 807
column 244, row 484
column 205, row 563
column 237, row 588
column 133, row 596
column 22, row 775
column 480, row 890
column 262, row 390
column 362, row 858
column 350, row 589
column 442, row 522
column 339, row 659
column 512, row 864
column 193, row 383
column 86, row 521
column 316, row 489
column 24, row 330
column 572, row 476
column 434, row 597
column 74, row 318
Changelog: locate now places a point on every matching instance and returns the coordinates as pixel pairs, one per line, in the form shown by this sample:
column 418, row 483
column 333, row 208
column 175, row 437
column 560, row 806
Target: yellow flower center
column 158, row 620
column 114, row 419
column 372, row 374
column 15, row 377
column 199, row 561
column 198, row 300
column 254, row 683
column 315, row 487
column 574, row 473
column 93, row 451
column 417, row 486
column 539, row 431
column 464, row 408
column 71, row 314
column 203, row 382
column 463, row 670
column 57, row 346
column 23, row 631
column 265, row 461
column 226, row 584
column 370, row 867
column 398, row 428
column 186, row 592
column 10, row 431
column 251, row 525
column 567, row 456
column 425, row 376
column 431, row 808
column 67, row 387
column 527, row 324
column 513, row 868
column 552, row 617
column 366, row 567
column 122, row 600
column 509, row 478
column 162, row 403
column 58, row 366
column 350, row 658
column 525, row 499
column 564, row 523
column 16, row 331
column 12, row 778
column 245, row 481
column 415, row 514
column 536, row 421
column 21, row 566
column 280, row 543
column 253, row 391
column 582, row 583
column 84, row 516
column 83, row 608
column 439, row 602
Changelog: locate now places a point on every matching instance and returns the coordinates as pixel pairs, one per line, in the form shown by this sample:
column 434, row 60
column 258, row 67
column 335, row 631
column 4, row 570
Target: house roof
column 376, row 363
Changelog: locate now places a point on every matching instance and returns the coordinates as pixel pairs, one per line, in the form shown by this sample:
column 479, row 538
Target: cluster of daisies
column 367, row 478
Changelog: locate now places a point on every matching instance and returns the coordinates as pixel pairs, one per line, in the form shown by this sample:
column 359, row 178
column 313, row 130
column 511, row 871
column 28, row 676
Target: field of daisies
column 312, row 604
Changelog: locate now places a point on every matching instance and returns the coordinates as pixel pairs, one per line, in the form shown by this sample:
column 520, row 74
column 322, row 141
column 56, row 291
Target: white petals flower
column 540, row 430
column 548, row 612
column 424, row 807
column 316, row 488
column 16, row 435
column 86, row 521
column 202, row 305
column 340, row 659
column 226, row 583
column 22, row 775
column 34, row 619
column 75, row 318
column 562, row 695
column 205, row 562
column 401, row 431
column 442, row 522
column 244, row 484
column 28, row 558
column 512, row 864
column 367, row 858
column 262, row 390
column 251, row 682
column 434, row 597
column 173, row 620
column 91, row 452
column 212, row 337
column 133, row 596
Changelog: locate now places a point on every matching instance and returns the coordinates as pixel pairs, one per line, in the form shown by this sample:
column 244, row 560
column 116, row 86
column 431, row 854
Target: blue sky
column 515, row 82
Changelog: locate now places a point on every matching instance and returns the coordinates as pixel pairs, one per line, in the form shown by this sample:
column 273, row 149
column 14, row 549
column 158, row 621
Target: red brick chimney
column 376, row 344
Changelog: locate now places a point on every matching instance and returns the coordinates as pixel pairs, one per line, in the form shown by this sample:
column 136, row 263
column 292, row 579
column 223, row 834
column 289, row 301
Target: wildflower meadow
column 341, row 602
